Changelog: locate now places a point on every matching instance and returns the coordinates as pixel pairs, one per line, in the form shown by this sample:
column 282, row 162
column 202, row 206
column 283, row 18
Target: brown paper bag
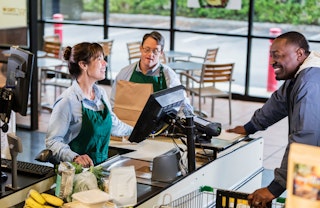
column 130, row 100
column 303, row 183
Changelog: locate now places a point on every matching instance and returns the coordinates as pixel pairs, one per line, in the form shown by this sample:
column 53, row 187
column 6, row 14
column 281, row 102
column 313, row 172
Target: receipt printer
column 165, row 167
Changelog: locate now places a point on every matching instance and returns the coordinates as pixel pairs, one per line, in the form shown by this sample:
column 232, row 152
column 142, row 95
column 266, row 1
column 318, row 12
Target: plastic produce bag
column 84, row 181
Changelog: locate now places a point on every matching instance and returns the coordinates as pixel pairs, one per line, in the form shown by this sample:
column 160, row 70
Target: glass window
column 231, row 50
column 223, row 27
column 272, row 19
column 89, row 13
column 151, row 13
column 72, row 34
column 213, row 19
column 72, row 10
column 224, row 21
column 260, row 71
column 299, row 15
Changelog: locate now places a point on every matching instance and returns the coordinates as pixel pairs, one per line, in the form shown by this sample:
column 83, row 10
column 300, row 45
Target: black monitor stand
column 15, row 147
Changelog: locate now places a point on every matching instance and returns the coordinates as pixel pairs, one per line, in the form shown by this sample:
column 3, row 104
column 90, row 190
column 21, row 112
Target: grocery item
column 53, row 200
column 30, row 202
column 36, row 196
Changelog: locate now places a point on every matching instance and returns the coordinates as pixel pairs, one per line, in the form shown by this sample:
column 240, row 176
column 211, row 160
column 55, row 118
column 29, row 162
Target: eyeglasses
column 148, row 50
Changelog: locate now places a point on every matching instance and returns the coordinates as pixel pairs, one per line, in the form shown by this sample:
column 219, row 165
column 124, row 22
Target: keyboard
column 26, row 168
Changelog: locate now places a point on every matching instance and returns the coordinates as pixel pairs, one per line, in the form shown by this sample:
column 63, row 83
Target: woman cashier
column 82, row 119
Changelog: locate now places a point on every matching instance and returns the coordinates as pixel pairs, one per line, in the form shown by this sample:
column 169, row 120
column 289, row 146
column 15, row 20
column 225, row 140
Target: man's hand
column 260, row 198
column 83, row 160
column 238, row 130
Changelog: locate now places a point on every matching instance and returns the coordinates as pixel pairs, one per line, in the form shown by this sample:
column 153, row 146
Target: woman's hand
column 83, row 160
column 238, row 130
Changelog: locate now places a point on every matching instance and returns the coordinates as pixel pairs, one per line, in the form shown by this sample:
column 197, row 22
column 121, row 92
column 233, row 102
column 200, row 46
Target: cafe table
column 41, row 54
column 49, row 62
column 171, row 55
column 46, row 62
column 187, row 66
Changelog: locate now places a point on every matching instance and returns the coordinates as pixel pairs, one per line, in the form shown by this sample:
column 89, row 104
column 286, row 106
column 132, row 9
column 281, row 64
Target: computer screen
column 159, row 105
column 19, row 73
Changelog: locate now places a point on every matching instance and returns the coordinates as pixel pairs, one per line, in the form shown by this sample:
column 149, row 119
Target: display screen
column 159, row 105
column 19, row 73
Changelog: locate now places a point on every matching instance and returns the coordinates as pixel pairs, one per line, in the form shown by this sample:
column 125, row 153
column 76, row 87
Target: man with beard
column 297, row 98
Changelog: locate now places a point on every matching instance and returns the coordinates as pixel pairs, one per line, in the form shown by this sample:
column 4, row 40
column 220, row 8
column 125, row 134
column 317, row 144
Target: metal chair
column 107, row 50
column 53, row 37
column 205, row 85
column 57, row 76
column 134, row 51
column 210, row 56
column 52, row 49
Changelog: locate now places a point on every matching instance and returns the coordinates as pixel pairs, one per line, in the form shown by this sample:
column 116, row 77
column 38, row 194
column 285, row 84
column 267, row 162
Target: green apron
column 94, row 136
column 159, row 83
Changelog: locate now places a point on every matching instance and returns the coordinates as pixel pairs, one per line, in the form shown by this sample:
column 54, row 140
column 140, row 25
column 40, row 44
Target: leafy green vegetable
column 84, row 181
column 78, row 167
column 98, row 172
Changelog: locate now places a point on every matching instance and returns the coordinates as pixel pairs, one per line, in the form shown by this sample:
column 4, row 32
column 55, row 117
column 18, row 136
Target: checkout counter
column 235, row 166
column 238, row 167
column 15, row 188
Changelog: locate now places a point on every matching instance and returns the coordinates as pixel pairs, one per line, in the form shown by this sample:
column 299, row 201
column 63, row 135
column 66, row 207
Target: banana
column 53, row 200
column 36, row 196
column 30, row 202
column 47, row 206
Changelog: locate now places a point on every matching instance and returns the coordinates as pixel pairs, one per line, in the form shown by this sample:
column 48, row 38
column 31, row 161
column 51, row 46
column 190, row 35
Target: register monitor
column 159, row 105
column 14, row 96
column 19, row 73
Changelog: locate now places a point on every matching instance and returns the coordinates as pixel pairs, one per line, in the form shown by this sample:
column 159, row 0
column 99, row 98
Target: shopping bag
column 130, row 99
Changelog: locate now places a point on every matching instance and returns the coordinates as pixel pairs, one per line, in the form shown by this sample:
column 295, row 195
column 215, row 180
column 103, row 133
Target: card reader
column 207, row 128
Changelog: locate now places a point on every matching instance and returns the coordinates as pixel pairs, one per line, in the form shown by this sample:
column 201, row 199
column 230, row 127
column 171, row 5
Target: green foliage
column 213, row 13
column 289, row 11
column 98, row 172
column 78, row 167
column 275, row 11
column 93, row 5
